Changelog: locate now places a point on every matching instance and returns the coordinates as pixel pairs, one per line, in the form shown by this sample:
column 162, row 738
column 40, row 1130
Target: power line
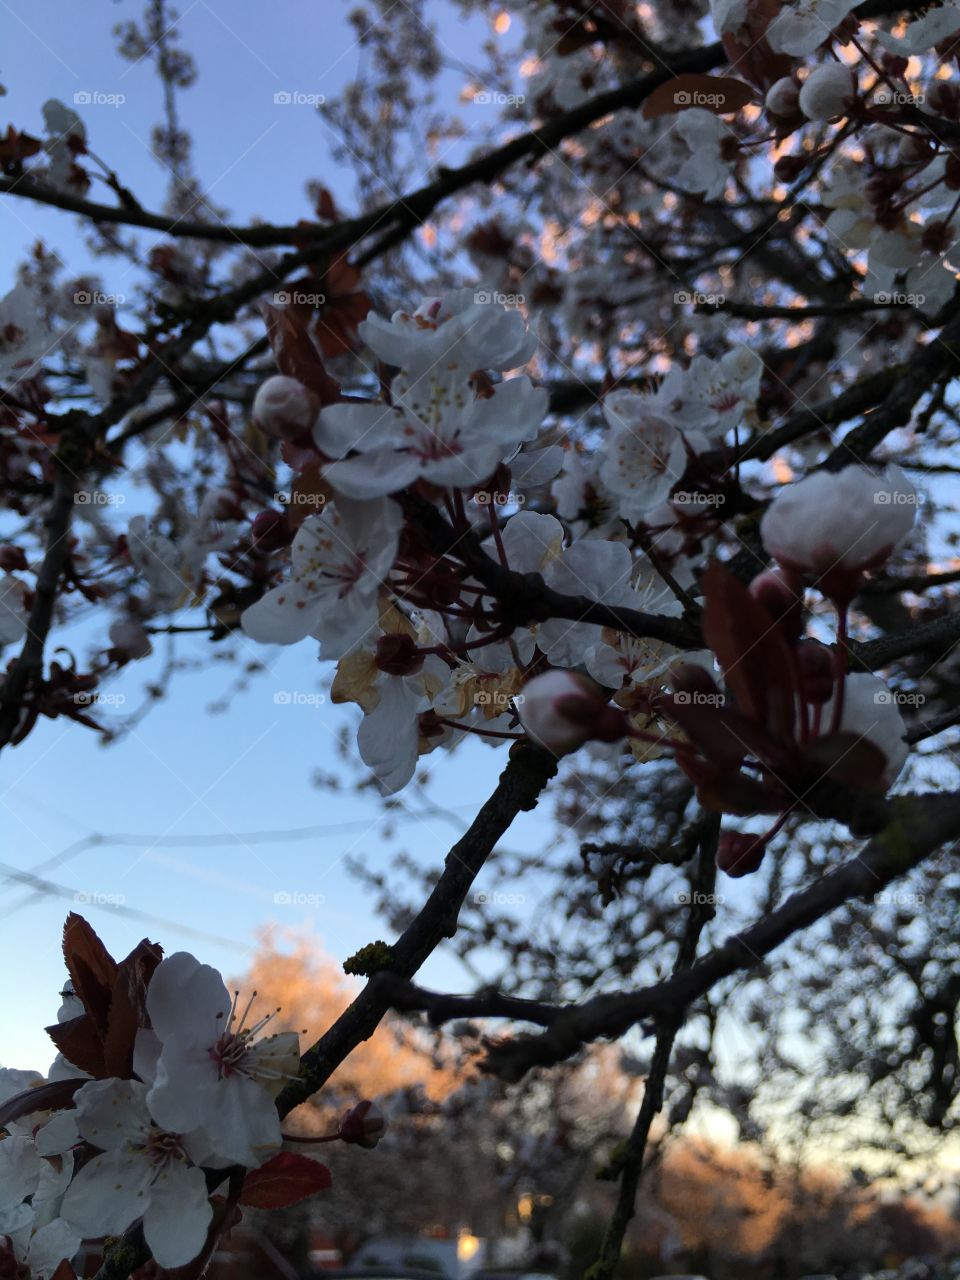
column 50, row 889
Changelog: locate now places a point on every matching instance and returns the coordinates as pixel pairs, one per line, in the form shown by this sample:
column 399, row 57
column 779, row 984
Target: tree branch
column 527, row 773
column 918, row 826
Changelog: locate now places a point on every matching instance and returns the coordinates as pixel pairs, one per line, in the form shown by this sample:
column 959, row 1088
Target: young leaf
column 284, row 1180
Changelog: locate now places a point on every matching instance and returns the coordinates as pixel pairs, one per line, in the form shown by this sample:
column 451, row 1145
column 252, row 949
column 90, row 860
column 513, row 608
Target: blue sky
column 184, row 772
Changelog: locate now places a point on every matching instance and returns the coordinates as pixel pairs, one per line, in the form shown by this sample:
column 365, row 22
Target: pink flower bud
column 817, row 670
column 285, row 408
column 363, row 1125
column 835, row 524
column 740, row 854
column 782, row 103
column 828, row 92
column 780, row 591
column 562, row 710
column 271, row 530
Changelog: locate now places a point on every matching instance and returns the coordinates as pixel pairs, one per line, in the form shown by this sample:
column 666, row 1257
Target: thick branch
column 919, row 826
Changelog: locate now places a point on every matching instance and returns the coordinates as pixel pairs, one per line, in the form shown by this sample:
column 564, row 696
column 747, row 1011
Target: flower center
column 163, row 1148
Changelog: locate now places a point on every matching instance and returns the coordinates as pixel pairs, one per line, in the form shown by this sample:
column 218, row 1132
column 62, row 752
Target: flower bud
column 12, row 558
column 130, row 638
column 740, row 854
column 562, row 711
column 285, row 408
column 363, row 1125
column 817, row 670
column 271, row 530
column 828, row 92
column 782, row 103
column 780, row 592
column 835, row 524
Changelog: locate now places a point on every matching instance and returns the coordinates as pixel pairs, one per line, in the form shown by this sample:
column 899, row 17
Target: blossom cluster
column 432, row 641
column 164, row 1088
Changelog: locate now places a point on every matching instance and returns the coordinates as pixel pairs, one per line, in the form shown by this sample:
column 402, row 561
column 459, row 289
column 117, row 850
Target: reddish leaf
column 64, row 1271
column 719, row 94
column 284, row 1180
column 53, row 1096
column 296, row 353
column 91, row 967
column 755, row 659
column 128, row 1007
column 80, row 1043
